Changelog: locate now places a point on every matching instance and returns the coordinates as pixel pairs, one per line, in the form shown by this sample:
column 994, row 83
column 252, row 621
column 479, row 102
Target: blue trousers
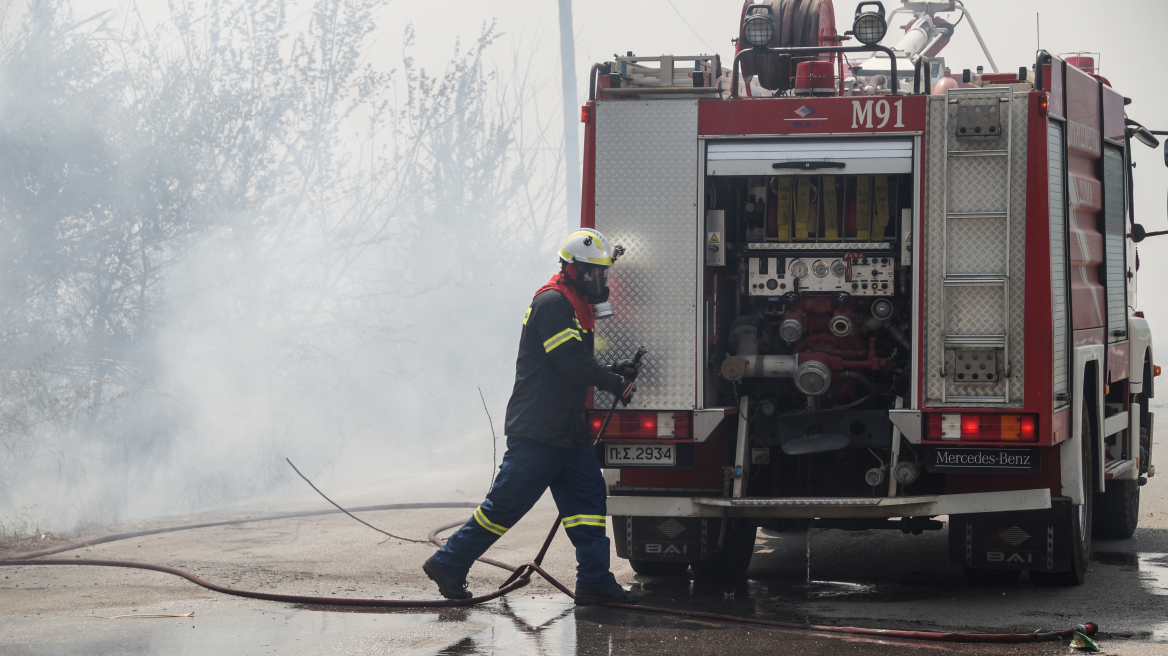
column 530, row 467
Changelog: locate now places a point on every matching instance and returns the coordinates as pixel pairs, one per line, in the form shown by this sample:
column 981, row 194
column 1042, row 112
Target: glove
column 627, row 369
column 626, row 392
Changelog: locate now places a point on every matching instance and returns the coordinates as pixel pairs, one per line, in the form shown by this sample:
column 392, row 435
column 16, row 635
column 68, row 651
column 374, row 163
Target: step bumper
column 832, row 507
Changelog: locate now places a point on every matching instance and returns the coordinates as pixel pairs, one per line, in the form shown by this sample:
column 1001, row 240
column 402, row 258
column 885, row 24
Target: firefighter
column 547, row 442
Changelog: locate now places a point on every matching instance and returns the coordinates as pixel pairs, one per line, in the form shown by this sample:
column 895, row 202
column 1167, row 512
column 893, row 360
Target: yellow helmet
column 587, row 246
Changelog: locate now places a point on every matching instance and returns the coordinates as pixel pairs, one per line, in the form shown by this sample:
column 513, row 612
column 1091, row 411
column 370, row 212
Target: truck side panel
column 1085, row 192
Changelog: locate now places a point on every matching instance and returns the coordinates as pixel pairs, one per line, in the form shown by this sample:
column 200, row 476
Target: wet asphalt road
column 871, row 579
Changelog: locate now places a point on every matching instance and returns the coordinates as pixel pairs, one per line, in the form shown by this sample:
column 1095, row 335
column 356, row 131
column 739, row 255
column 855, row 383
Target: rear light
column 586, row 117
column 1043, row 105
column 641, row 425
column 983, row 428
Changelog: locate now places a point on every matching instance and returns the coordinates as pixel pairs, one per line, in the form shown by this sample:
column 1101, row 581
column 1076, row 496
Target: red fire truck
column 873, row 292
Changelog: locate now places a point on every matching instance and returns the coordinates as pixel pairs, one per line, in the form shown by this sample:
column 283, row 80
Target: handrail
column 592, row 82
column 1041, row 59
column 815, row 51
column 928, row 67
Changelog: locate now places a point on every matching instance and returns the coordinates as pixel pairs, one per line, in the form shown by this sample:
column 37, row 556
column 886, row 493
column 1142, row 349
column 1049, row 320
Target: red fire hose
column 520, row 577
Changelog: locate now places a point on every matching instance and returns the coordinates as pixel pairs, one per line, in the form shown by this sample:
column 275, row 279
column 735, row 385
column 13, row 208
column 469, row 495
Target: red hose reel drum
column 798, row 24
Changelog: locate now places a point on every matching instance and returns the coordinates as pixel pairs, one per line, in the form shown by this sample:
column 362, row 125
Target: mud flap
column 675, row 539
column 1025, row 540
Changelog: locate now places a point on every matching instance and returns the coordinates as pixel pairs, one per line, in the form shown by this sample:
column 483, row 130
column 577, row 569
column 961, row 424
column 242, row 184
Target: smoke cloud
column 227, row 239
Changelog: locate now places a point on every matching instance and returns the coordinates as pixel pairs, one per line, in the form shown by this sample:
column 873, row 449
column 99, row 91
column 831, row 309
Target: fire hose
column 520, row 577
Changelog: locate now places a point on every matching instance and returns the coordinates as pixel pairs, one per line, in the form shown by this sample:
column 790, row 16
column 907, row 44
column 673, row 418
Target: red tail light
column 982, row 427
column 586, row 114
column 642, row 425
column 1028, row 429
column 970, row 425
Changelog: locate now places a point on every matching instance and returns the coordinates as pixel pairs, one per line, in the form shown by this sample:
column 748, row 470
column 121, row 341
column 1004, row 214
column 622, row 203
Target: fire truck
column 874, row 293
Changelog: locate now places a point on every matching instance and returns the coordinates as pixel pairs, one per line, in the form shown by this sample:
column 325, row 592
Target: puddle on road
column 834, row 589
column 1154, row 572
column 523, row 625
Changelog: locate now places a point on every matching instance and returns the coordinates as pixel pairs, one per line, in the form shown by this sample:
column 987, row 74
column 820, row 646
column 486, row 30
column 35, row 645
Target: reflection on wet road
column 868, row 579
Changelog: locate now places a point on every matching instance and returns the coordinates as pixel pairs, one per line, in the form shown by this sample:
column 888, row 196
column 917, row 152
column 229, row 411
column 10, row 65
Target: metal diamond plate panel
column 646, row 201
column 988, row 194
column 975, row 310
column 976, row 246
column 976, row 184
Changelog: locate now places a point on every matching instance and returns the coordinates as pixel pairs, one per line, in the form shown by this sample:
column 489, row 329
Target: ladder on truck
column 975, row 261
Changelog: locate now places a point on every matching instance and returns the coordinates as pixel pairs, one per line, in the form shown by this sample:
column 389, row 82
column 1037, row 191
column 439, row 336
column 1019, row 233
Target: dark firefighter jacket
column 552, row 375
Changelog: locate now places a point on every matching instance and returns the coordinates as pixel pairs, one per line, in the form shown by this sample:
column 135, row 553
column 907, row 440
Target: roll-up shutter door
column 812, row 157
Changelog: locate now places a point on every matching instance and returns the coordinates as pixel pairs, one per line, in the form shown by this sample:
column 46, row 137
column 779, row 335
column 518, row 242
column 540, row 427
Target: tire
column 659, row 567
column 734, row 558
column 1117, row 510
column 1081, row 518
column 991, row 577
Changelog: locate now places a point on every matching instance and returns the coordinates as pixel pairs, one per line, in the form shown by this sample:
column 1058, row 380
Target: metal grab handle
column 808, row 165
column 924, row 62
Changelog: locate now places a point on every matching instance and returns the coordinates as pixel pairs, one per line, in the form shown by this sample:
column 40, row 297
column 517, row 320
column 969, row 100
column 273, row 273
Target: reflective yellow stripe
column 584, row 523
column 488, row 524
column 584, row 520
column 559, row 338
column 527, row 316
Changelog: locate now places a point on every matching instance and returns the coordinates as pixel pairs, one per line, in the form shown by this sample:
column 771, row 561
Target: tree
column 203, row 264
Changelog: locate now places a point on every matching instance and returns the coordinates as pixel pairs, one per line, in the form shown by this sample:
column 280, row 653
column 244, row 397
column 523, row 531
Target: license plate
column 988, row 460
column 641, row 455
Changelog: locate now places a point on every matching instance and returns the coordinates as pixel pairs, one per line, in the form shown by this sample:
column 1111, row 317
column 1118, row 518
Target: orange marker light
column 1157, row 368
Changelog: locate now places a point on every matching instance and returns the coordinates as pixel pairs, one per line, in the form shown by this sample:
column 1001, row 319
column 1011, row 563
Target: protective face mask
column 594, row 284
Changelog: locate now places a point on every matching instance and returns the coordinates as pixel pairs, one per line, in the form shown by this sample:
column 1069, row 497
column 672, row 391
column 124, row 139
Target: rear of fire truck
column 873, row 294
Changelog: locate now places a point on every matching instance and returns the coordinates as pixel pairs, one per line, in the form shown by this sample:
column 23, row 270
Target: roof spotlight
column 869, row 27
column 759, row 29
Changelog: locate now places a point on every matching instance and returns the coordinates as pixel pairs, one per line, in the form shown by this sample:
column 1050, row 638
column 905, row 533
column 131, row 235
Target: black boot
column 612, row 594
column 450, row 587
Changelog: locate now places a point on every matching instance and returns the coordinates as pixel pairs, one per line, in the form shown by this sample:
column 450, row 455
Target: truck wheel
column 1117, row 510
column 1080, row 519
column 734, row 558
column 658, row 567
